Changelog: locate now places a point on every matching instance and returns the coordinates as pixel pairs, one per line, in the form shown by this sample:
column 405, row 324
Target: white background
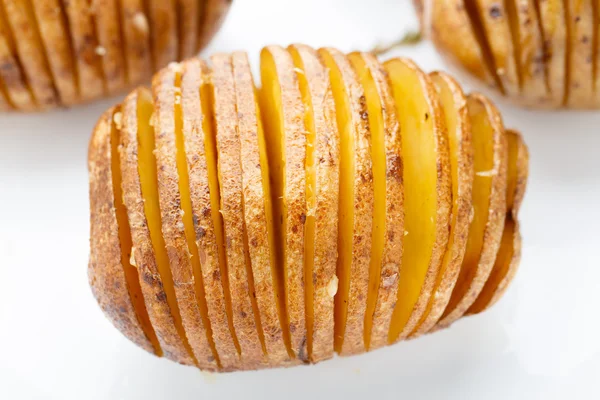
column 542, row 341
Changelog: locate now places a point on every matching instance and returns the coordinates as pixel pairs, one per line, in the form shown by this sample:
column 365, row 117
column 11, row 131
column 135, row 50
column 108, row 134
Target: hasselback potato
column 57, row 53
column 345, row 205
column 538, row 53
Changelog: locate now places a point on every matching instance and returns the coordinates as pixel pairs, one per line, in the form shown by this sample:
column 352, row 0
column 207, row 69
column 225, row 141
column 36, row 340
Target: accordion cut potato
column 56, row 53
column 345, row 205
column 537, row 53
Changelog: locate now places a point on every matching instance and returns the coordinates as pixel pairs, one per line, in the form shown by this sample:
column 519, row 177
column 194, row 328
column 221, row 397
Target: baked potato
column 538, row 54
column 345, row 205
column 56, row 53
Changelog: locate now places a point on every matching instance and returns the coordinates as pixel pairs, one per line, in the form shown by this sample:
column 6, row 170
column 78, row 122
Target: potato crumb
column 489, row 173
column 132, row 257
column 118, row 120
column 101, row 51
column 141, row 22
column 332, row 286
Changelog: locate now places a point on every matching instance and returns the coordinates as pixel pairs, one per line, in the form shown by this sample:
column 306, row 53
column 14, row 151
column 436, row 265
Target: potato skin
column 550, row 41
column 220, row 113
column 61, row 53
column 105, row 272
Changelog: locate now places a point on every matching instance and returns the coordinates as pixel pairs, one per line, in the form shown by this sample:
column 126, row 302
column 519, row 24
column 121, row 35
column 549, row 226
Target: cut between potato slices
column 388, row 208
column 427, row 191
column 322, row 196
column 489, row 206
column 328, row 211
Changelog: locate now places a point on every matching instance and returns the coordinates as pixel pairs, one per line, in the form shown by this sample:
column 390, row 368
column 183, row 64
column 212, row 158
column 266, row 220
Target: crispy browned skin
column 259, row 256
column 143, row 251
column 110, row 44
column 509, row 254
column 462, row 162
column 53, row 31
column 383, row 277
column 232, row 211
column 544, row 54
column 58, row 53
column 30, row 50
column 167, row 96
column 474, row 273
column 105, row 271
column 355, row 267
column 322, row 279
column 198, row 131
column 213, row 286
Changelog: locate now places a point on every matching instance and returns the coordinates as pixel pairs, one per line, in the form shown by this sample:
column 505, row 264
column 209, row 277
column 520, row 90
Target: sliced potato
column 322, row 196
column 553, row 23
column 113, row 279
column 456, row 115
column 14, row 82
column 149, row 255
column 240, row 280
column 136, row 41
column 388, row 214
column 162, row 17
column 529, row 51
column 55, row 37
column 447, row 22
column 356, row 198
column 427, row 191
column 580, row 27
column 188, row 15
column 31, row 52
column 200, row 149
column 177, row 226
column 509, row 254
column 110, row 43
column 282, row 114
column 489, row 206
column 85, row 44
column 255, row 211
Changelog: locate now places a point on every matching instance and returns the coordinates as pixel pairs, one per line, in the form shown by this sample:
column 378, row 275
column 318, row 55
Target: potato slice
column 177, row 224
column 456, row 115
column 509, row 254
column 554, row 31
column 136, row 41
column 489, row 206
column 355, row 214
column 580, row 51
column 110, row 43
column 85, row 47
column 31, row 52
column 427, row 191
column 113, row 279
column 13, row 82
column 140, row 195
column 162, row 17
column 388, row 214
column 200, row 148
column 240, row 279
column 322, row 196
column 495, row 20
column 212, row 14
column 282, row 113
column 255, row 211
column 529, row 51
column 188, row 15
column 50, row 15
column 472, row 52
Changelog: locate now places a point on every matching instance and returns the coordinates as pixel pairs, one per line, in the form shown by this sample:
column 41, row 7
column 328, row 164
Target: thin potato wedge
column 580, row 53
column 110, row 44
